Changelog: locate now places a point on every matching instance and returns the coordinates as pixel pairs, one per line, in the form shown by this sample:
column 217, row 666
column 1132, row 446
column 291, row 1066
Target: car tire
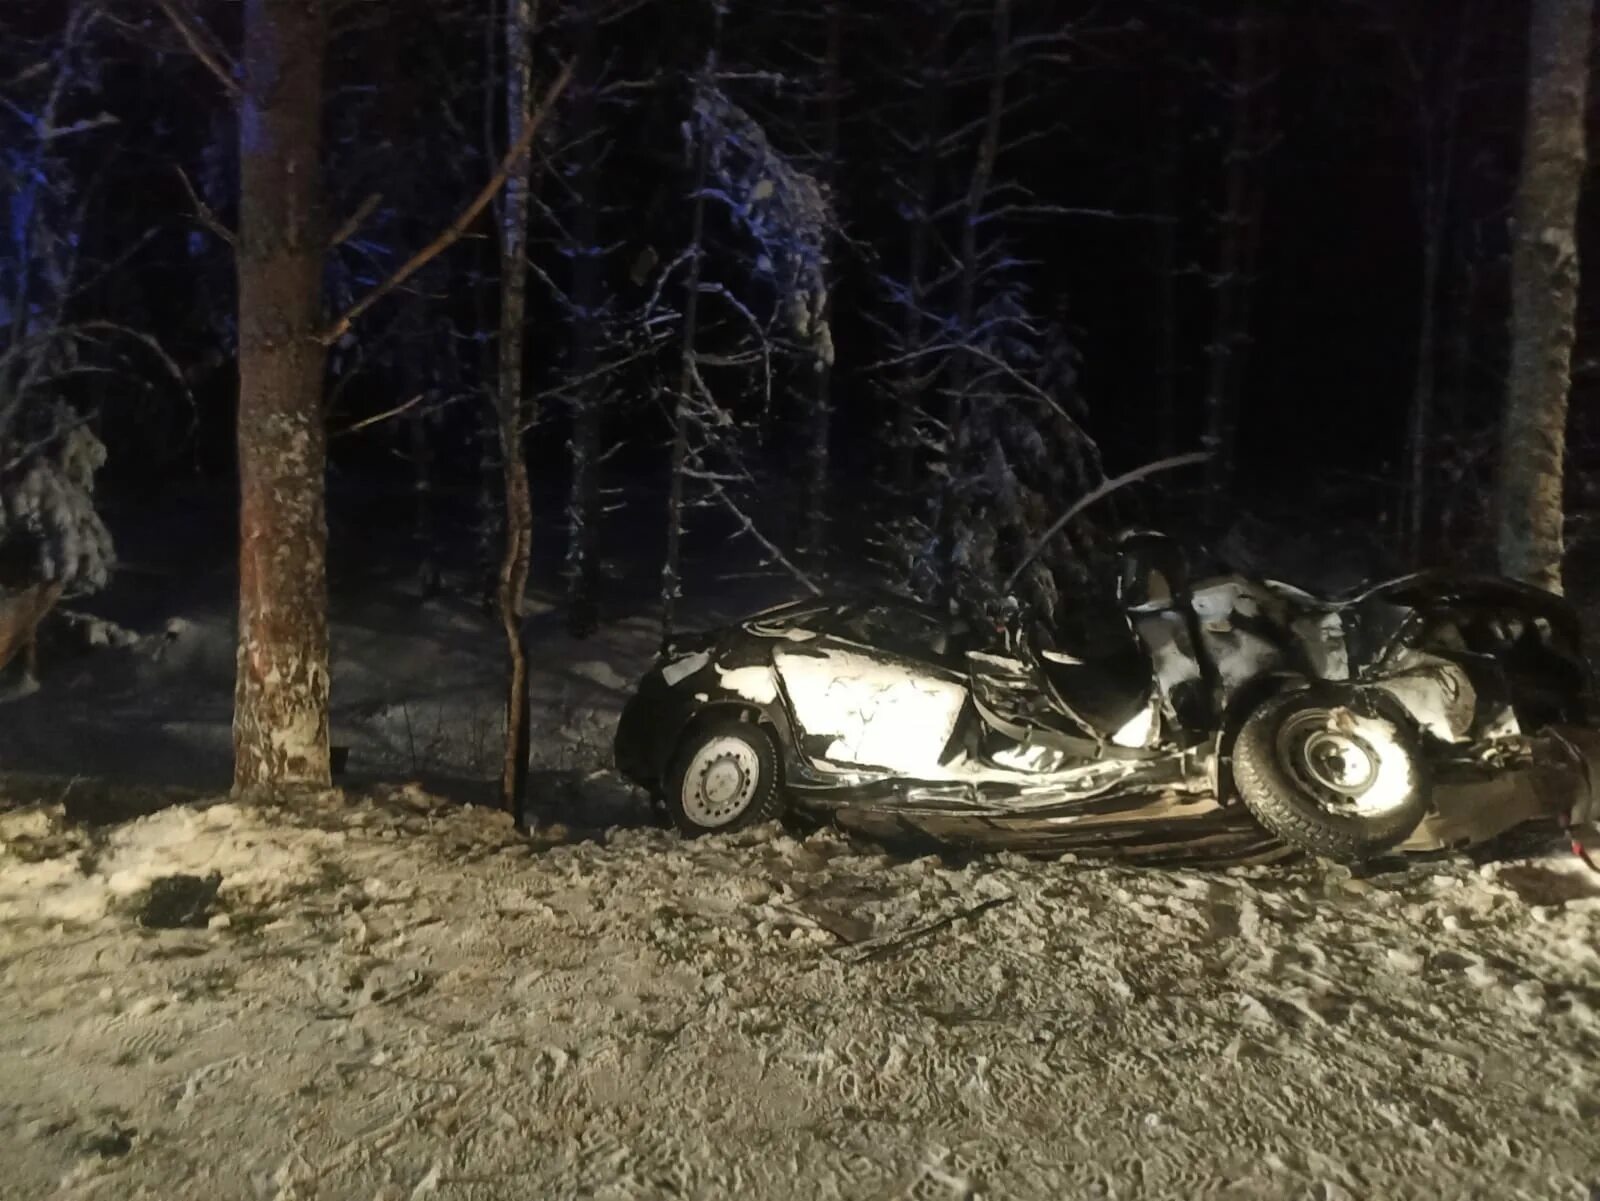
column 723, row 778
column 1331, row 773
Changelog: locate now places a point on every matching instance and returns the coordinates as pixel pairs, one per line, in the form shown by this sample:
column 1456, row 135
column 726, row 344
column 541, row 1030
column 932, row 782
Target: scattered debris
column 405, row 983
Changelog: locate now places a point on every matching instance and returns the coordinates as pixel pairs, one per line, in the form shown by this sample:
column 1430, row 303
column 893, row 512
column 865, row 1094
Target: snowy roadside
column 395, row 997
column 417, row 695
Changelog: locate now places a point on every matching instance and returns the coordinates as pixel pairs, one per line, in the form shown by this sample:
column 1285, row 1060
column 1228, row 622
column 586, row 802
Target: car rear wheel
column 725, row 777
column 1331, row 774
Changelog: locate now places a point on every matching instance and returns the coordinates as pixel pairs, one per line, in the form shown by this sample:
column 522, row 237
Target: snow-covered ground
column 418, row 694
column 393, row 996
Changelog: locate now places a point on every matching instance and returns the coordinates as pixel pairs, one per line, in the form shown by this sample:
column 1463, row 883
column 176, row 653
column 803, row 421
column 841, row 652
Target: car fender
column 1247, row 699
column 727, row 685
column 692, row 686
column 1436, row 695
column 1242, row 702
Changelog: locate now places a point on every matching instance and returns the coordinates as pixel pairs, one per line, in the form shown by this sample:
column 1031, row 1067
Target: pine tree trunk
column 489, row 531
column 280, row 725
column 1168, row 162
column 1420, row 433
column 951, row 518
column 583, row 502
column 1438, row 171
column 422, row 499
column 672, row 567
column 909, row 396
column 1241, row 232
column 1544, row 294
column 815, row 520
column 513, row 409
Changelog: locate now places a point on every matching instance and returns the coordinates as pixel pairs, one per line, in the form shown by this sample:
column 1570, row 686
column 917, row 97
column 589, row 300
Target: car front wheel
column 1333, row 775
column 724, row 777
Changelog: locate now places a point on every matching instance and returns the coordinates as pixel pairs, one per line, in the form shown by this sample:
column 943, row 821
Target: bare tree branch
column 459, row 226
column 747, row 526
column 203, row 213
column 347, row 230
column 1104, row 490
column 206, row 50
column 383, row 416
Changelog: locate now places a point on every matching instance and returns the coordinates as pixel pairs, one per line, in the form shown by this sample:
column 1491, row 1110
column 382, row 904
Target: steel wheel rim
column 1331, row 761
column 721, row 782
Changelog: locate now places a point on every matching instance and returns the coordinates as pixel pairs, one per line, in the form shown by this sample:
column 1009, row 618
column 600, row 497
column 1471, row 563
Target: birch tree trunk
column 512, row 408
column 280, row 724
column 1544, row 294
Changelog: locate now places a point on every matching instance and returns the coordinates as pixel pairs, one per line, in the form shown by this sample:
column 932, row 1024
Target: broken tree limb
column 749, row 527
column 890, row 944
column 1100, row 493
column 453, row 232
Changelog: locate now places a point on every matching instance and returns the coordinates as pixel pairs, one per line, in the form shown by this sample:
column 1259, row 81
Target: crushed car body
column 1230, row 719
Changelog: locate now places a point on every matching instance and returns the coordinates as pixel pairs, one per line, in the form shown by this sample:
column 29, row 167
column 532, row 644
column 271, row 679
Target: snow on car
column 1229, row 718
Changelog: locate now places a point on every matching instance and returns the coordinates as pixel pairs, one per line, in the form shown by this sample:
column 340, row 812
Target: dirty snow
column 400, row 998
column 396, row 997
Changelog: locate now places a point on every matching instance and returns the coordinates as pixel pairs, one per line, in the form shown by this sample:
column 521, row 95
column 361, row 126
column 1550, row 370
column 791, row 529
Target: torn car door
column 859, row 709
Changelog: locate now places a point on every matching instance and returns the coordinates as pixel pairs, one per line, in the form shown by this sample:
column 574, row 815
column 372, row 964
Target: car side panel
column 860, row 710
column 734, row 676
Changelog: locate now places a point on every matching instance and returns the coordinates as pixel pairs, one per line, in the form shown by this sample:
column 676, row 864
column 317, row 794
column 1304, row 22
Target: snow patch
column 875, row 713
column 598, row 671
column 681, row 669
column 755, row 684
column 258, row 859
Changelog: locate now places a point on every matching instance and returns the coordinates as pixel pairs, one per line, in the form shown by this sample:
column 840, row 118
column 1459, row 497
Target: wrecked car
column 1228, row 718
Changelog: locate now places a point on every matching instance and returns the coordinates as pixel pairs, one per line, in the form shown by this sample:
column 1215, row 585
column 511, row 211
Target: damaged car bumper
column 1551, row 777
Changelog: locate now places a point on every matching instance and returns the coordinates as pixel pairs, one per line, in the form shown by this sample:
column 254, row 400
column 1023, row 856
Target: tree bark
column 1420, row 432
column 909, row 398
column 1440, row 107
column 951, row 518
column 489, row 531
column 583, row 501
column 280, row 725
column 420, row 440
column 512, row 408
column 1544, row 294
column 1167, row 166
column 1241, row 232
column 672, row 567
column 814, row 525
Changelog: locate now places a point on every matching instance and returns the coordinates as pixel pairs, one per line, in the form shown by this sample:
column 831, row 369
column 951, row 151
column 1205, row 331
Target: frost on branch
column 1026, row 457
column 782, row 207
column 1018, row 458
column 48, row 525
